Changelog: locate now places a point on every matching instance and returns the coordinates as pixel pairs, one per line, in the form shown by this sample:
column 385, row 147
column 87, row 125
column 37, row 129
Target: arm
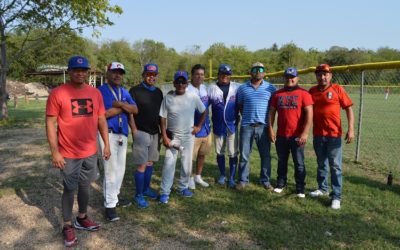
column 271, row 121
column 197, row 127
column 308, row 110
column 126, row 107
column 113, row 112
column 350, row 125
column 163, row 125
column 103, row 129
column 132, row 125
column 57, row 159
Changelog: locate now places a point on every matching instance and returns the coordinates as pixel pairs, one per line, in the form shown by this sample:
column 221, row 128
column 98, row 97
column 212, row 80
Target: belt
column 112, row 132
column 257, row 124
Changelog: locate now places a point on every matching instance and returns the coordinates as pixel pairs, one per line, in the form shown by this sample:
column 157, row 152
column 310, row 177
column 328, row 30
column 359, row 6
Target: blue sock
column 221, row 164
column 139, row 180
column 232, row 167
column 147, row 177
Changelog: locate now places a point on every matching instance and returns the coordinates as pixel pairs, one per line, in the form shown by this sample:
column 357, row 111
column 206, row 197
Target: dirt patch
column 19, row 89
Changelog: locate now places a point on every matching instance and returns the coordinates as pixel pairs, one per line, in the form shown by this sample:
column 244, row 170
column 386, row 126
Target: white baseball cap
column 115, row 66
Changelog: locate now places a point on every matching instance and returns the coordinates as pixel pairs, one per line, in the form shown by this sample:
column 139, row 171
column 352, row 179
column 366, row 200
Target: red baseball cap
column 323, row 67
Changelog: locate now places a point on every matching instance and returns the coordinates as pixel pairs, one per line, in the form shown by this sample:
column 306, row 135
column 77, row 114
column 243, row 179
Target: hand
column 117, row 104
column 58, row 160
column 272, row 136
column 195, row 130
column 349, row 136
column 166, row 141
column 106, row 152
column 302, row 140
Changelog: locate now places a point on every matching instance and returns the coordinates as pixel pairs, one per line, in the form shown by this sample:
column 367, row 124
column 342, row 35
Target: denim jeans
column 285, row 146
column 260, row 135
column 329, row 155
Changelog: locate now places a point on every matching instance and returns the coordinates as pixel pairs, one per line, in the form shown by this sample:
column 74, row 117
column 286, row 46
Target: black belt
column 112, row 131
column 257, row 124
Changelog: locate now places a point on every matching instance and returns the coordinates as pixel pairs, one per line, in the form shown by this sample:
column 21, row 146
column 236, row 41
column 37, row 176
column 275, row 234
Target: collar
column 151, row 88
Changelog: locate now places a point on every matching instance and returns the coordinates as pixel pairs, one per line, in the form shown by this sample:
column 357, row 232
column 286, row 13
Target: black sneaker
column 123, row 203
column 111, row 214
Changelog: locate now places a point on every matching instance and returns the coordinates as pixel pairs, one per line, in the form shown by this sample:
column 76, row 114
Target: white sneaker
column 200, row 181
column 192, row 185
column 317, row 193
column 278, row 190
column 335, row 204
column 301, row 195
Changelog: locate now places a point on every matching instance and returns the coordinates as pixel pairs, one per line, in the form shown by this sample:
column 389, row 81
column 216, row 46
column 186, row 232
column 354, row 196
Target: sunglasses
column 257, row 69
column 180, row 82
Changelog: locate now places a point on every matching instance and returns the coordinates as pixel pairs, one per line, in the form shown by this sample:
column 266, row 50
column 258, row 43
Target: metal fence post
column 360, row 112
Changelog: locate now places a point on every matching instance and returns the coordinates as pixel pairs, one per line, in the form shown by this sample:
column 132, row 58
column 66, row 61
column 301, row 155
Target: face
column 323, row 78
column 150, row 78
column 198, row 77
column 291, row 81
column 115, row 77
column 180, row 85
column 78, row 76
column 224, row 79
column 257, row 73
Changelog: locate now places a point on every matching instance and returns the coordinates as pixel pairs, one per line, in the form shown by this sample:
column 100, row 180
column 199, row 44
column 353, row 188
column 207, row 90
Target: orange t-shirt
column 327, row 104
column 77, row 112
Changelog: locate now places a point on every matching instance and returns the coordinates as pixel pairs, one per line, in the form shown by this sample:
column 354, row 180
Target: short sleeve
column 163, row 108
column 53, row 106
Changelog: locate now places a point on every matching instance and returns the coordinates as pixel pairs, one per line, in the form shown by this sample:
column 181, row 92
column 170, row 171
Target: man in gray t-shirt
column 178, row 130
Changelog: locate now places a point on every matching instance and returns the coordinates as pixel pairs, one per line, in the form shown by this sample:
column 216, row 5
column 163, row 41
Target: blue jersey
column 109, row 98
column 202, row 93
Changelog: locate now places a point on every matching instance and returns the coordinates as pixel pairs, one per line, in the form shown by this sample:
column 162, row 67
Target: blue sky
column 257, row 24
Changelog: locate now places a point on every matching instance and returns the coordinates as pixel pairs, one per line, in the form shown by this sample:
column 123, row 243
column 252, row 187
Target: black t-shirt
column 225, row 89
column 148, row 103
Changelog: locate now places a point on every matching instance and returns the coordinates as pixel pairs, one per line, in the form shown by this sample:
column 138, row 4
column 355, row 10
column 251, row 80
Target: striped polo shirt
column 255, row 102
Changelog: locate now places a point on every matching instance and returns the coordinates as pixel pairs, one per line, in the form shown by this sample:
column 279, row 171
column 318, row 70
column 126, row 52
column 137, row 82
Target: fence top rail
column 342, row 68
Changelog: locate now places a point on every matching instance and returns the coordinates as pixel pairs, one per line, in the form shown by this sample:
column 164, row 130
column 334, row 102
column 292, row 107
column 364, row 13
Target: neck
column 77, row 85
column 113, row 84
column 323, row 87
column 196, row 85
column 256, row 81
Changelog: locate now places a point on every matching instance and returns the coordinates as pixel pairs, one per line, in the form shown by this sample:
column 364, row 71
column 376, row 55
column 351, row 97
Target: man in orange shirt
column 328, row 99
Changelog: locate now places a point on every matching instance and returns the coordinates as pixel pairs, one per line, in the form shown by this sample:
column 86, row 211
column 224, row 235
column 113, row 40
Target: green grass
column 220, row 217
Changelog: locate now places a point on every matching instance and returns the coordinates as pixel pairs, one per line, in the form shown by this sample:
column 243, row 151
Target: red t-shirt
column 327, row 104
column 290, row 105
column 77, row 112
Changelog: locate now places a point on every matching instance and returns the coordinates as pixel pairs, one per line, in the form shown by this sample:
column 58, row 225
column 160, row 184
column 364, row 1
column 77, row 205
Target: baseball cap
column 78, row 62
column 323, row 67
column 291, row 71
column 116, row 66
column 225, row 69
column 181, row 73
column 150, row 67
column 257, row 65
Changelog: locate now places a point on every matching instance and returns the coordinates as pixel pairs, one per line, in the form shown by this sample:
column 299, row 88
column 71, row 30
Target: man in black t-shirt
column 145, row 128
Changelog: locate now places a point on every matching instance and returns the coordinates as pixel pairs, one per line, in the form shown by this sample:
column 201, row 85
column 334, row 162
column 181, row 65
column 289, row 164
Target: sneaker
column 70, row 239
column 335, row 204
column 240, row 186
column 317, row 193
column 268, row 186
column 86, row 224
column 300, row 195
column 192, row 185
column 111, row 214
column 164, row 198
column 123, row 203
column 221, row 180
column 150, row 194
column 231, row 183
column 278, row 190
column 200, row 181
column 186, row 193
column 140, row 201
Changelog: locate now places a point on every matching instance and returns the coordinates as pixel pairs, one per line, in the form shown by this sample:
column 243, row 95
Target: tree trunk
column 3, row 72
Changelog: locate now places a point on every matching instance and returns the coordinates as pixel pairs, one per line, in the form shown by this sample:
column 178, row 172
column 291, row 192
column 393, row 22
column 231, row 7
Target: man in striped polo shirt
column 253, row 99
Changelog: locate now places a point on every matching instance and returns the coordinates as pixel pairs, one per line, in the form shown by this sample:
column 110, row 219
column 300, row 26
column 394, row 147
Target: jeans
column 171, row 155
column 329, row 155
column 285, row 146
column 260, row 134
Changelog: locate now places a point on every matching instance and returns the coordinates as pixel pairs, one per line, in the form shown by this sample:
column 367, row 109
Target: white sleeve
column 199, row 105
column 163, row 108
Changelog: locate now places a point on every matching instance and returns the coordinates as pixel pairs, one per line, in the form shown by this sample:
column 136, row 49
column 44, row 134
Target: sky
column 257, row 24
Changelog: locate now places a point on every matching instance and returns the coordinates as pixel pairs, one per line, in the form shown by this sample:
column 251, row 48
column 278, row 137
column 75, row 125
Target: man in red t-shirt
column 74, row 113
column 294, row 107
column 328, row 99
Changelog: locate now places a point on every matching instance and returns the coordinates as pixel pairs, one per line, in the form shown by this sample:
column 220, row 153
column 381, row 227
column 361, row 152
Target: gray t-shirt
column 179, row 110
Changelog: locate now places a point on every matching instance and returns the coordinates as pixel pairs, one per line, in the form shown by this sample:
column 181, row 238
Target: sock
column 221, row 164
column 139, row 181
column 147, row 177
column 232, row 167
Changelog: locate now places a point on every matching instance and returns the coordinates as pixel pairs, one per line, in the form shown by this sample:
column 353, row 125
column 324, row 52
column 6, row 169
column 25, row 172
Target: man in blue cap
column 74, row 114
column 222, row 98
column 119, row 105
column 294, row 107
column 145, row 126
column 178, row 130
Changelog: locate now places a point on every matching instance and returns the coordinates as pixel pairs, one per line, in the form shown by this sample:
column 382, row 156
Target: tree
column 53, row 16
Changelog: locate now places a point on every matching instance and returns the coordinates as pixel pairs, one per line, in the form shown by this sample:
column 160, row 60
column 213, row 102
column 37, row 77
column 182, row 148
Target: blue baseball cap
column 291, row 72
column 181, row 73
column 78, row 62
column 150, row 67
column 225, row 69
